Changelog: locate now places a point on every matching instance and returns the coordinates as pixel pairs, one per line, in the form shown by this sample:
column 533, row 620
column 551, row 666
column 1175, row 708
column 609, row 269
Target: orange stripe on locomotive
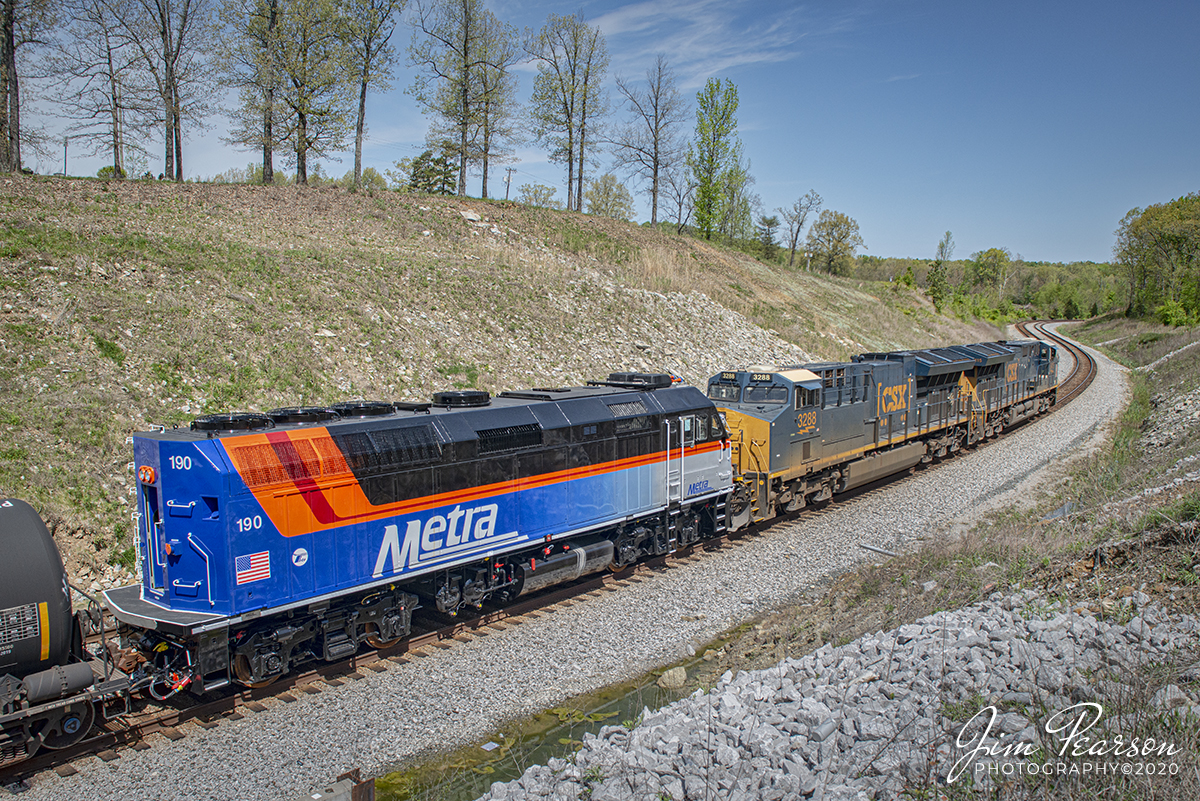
column 280, row 466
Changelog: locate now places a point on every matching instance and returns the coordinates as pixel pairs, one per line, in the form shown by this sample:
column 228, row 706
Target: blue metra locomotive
column 268, row 540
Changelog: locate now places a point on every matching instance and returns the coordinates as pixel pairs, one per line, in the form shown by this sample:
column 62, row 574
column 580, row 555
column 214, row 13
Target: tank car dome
column 36, row 625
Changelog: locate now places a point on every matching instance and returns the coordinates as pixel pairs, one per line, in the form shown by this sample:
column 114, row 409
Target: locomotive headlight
column 146, row 474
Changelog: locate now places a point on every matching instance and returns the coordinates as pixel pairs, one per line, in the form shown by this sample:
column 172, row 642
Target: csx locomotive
column 269, row 540
column 803, row 433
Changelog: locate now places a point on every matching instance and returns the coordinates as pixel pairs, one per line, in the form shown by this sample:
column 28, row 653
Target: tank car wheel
column 242, row 671
column 72, row 725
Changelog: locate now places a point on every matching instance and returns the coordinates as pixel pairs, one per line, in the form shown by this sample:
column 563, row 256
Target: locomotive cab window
column 725, row 392
column 689, row 430
column 766, row 393
column 716, row 427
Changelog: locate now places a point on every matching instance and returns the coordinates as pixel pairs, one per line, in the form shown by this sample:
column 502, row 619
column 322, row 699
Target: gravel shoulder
column 459, row 696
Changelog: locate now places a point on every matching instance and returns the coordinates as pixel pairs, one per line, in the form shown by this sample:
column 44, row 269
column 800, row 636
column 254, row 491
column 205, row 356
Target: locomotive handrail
column 682, row 460
column 207, row 569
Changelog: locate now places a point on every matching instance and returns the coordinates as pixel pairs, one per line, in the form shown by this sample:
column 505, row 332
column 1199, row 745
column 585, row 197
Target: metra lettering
column 893, row 399
column 439, row 534
column 698, row 487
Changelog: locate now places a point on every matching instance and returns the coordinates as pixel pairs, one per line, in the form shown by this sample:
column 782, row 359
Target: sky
column 1031, row 126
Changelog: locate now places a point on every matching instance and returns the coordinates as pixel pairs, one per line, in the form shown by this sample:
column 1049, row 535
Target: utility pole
column 65, row 140
column 507, row 181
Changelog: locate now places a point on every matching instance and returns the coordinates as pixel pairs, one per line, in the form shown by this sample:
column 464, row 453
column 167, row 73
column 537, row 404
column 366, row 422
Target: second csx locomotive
column 269, row 540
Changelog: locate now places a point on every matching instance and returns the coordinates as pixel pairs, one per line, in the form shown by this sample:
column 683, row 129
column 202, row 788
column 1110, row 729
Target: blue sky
column 1033, row 126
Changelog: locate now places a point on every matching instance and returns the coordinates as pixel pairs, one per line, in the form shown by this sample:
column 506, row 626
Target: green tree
column 714, row 149
column 248, row 60
column 568, row 93
column 497, row 107
column 767, row 228
column 369, row 28
column 737, row 203
column 447, row 50
column 937, row 285
column 833, row 240
column 1158, row 249
column 608, row 197
column 435, row 175
column 538, row 195
column 990, row 270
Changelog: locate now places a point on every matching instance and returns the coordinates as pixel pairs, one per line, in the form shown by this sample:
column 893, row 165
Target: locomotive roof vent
column 639, row 380
column 363, row 408
column 302, row 414
column 232, row 421
column 408, row 406
column 460, row 398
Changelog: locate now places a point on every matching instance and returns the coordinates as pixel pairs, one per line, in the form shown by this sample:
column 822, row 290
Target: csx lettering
column 1012, row 372
column 893, row 399
column 437, row 535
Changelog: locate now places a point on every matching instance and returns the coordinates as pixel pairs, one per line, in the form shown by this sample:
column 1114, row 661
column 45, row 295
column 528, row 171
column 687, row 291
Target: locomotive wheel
column 72, row 725
column 241, row 670
column 375, row 641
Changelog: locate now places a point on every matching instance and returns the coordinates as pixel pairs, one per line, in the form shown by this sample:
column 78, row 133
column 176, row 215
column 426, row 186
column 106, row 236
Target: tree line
column 998, row 285
column 1158, row 255
column 124, row 73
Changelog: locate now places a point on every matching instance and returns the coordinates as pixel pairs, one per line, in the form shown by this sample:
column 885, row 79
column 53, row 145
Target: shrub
column 1172, row 313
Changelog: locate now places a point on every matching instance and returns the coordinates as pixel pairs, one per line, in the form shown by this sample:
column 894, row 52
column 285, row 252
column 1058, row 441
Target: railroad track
column 1085, row 366
column 439, row 632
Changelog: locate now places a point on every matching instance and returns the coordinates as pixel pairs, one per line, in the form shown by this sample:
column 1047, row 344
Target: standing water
column 468, row 773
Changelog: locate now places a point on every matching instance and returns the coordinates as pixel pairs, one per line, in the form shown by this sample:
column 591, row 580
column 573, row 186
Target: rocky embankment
column 886, row 713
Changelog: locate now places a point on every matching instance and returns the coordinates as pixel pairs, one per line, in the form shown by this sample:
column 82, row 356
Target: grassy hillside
column 131, row 304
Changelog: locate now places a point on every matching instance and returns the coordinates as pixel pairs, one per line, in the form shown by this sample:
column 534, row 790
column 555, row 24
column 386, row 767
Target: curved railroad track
column 439, row 632
column 1085, row 366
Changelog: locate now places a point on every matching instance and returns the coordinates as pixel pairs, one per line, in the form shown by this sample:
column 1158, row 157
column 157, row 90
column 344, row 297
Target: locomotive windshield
column 724, row 392
column 768, row 393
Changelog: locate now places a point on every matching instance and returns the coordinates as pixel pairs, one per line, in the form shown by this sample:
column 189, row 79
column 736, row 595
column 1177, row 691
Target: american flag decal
column 255, row 567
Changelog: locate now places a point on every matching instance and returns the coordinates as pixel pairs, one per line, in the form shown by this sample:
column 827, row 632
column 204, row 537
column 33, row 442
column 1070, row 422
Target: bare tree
column 22, row 23
column 93, row 66
column 371, row 24
column 795, row 216
column 449, row 48
column 568, row 93
column 680, row 192
column 650, row 143
column 172, row 37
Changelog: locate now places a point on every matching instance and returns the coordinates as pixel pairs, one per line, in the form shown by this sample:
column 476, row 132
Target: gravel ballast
column 869, row 719
column 461, row 695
